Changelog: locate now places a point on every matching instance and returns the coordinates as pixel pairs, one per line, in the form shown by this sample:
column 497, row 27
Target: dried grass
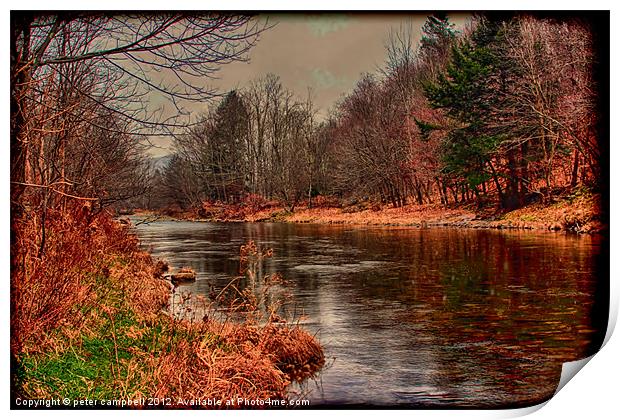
column 94, row 285
column 57, row 286
column 579, row 212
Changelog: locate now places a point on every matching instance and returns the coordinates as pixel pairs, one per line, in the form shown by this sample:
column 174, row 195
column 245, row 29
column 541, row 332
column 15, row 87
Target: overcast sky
column 324, row 52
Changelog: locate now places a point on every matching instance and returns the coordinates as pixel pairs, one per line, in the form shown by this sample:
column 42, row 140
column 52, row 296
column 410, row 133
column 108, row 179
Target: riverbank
column 90, row 321
column 579, row 213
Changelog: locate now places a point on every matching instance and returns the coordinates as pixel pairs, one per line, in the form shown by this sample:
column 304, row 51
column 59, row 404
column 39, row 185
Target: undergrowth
column 90, row 320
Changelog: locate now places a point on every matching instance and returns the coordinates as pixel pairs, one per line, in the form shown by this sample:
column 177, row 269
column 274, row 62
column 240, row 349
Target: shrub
column 90, row 320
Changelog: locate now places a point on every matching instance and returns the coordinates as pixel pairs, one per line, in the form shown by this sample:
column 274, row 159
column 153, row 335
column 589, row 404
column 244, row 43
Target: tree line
column 86, row 95
column 260, row 141
column 501, row 112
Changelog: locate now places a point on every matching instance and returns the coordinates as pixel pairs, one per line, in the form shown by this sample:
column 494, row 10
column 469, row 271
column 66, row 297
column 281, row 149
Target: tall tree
column 470, row 92
column 550, row 110
column 438, row 36
column 130, row 49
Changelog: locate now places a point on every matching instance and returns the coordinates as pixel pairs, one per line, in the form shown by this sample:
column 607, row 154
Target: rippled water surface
column 417, row 317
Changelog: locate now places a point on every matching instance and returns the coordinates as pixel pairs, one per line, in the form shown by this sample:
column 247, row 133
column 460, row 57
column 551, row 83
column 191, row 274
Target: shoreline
column 581, row 214
column 115, row 337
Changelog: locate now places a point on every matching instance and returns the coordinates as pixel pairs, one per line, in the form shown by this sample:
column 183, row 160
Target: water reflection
column 419, row 317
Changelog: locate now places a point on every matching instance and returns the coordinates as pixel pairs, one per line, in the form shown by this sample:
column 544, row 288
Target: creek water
column 417, row 317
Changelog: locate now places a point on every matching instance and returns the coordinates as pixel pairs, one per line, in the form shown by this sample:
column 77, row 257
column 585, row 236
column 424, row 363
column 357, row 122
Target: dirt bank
column 578, row 213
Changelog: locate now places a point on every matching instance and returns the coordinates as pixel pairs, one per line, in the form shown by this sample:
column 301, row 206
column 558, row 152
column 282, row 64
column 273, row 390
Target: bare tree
column 259, row 140
column 166, row 54
column 280, row 128
column 372, row 144
column 551, row 108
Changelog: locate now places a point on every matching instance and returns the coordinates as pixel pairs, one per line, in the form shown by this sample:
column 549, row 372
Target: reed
column 90, row 319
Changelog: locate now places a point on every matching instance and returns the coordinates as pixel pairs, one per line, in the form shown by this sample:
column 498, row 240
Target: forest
column 502, row 113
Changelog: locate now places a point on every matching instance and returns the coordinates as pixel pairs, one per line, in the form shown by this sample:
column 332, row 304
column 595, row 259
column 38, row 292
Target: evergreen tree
column 438, row 37
column 228, row 136
column 470, row 92
column 437, row 32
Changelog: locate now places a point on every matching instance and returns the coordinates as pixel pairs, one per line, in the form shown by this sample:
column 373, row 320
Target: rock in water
column 184, row 275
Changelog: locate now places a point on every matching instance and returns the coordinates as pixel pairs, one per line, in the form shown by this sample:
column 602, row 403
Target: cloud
column 325, row 79
column 321, row 25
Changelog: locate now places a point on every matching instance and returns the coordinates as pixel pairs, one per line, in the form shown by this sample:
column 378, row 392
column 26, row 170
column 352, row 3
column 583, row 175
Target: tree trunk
column 500, row 193
column 512, row 190
column 20, row 78
column 525, row 173
column 575, row 173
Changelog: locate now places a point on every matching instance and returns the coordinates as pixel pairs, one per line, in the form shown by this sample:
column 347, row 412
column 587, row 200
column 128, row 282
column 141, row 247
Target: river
column 417, row 317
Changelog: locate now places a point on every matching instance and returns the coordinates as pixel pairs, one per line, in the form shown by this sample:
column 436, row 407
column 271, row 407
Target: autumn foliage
column 96, row 291
column 502, row 112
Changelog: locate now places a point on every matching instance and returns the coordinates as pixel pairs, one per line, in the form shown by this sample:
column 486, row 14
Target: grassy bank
column 90, row 321
column 578, row 212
